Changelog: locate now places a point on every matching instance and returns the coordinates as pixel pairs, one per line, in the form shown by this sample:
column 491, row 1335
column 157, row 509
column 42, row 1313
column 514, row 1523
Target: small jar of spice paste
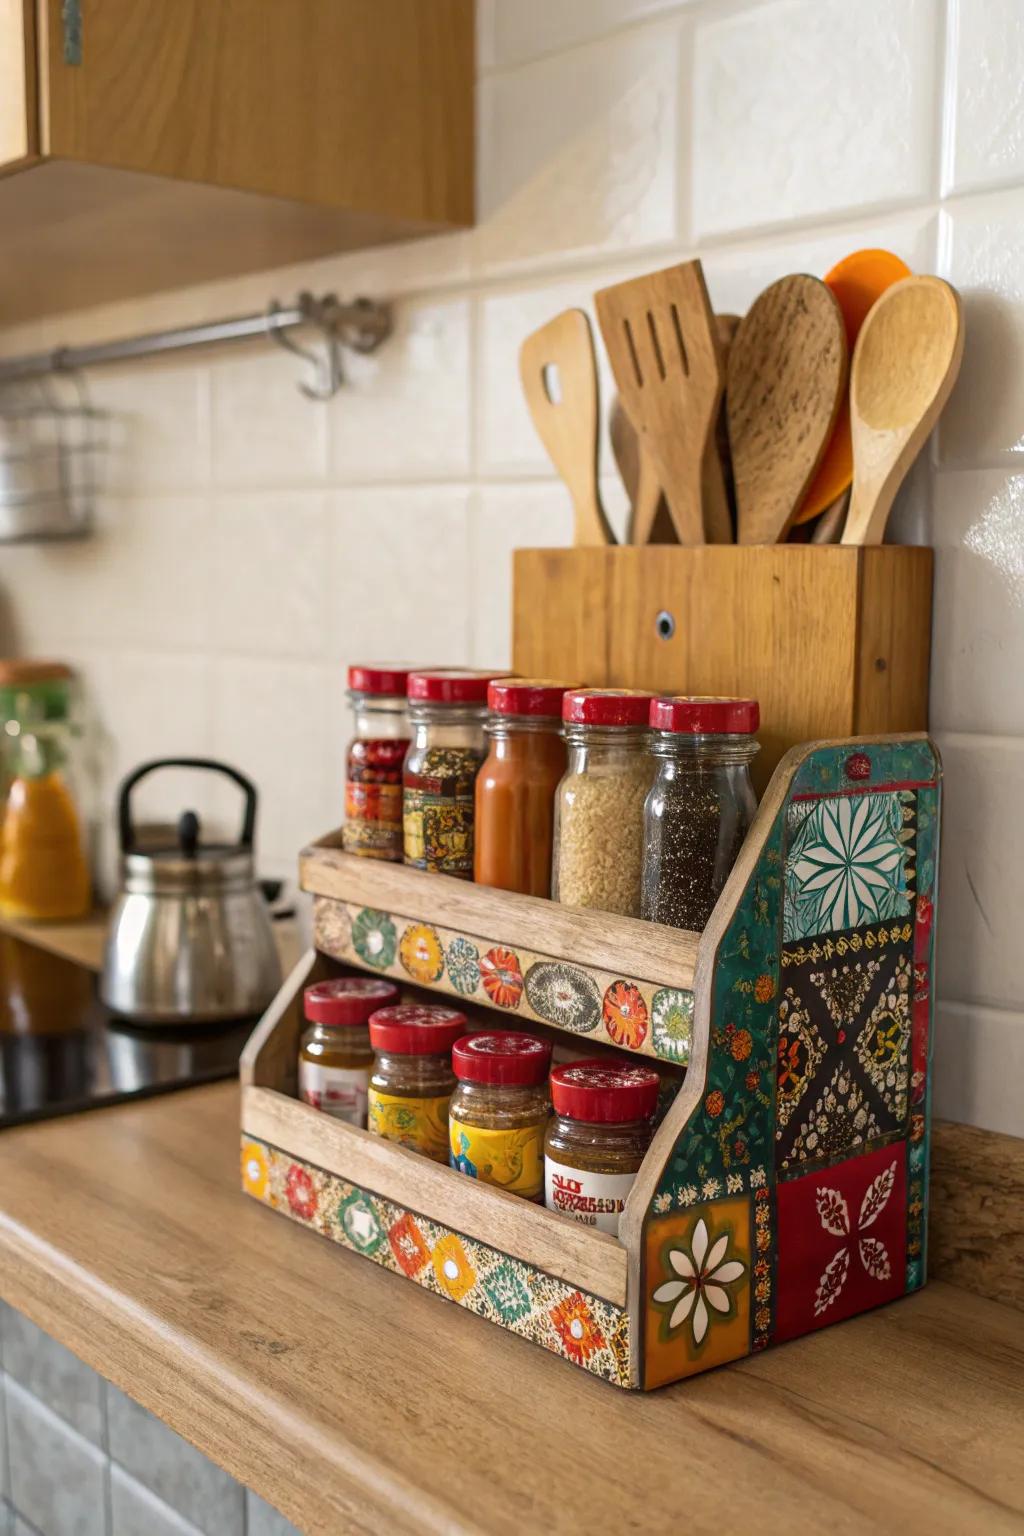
column 700, row 807
column 412, row 1078
column 499, row 1111
column 597, row 1139
column 515, row 788
column 335, row 1056
column 447, row 710
column 599, row 807
column 373, row 768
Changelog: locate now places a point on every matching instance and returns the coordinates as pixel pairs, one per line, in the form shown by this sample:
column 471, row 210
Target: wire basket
column 51, row 454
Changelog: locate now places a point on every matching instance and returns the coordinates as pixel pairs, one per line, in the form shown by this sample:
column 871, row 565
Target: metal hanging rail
column 360, row 325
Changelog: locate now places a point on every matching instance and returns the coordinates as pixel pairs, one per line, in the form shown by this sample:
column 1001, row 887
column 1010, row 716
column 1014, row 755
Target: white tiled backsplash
column 252, row 542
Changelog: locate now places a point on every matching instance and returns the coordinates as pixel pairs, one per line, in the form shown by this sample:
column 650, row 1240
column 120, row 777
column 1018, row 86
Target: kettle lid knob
column 188, row 833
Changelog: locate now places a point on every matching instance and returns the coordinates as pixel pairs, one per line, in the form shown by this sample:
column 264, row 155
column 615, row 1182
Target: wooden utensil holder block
column 833, row 641
column 786, row 1187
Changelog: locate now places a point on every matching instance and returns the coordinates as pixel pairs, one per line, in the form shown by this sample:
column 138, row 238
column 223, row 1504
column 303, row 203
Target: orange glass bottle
column 515, row 788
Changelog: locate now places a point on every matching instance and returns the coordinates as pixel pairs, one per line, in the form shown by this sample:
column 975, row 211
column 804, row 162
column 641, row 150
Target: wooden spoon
column 786, row 378
column 716, row 476
column 905, row 364
column 661, row 341
column 558, row 370
column 649, row 522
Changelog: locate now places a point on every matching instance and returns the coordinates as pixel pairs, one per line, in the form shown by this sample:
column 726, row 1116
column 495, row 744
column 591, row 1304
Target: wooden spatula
column 558, row 370
column 649, row 522
column 786, row 380
column 661, row 341
column 905, row 364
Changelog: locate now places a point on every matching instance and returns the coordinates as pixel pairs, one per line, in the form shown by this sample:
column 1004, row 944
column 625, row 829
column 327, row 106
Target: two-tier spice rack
column 787, row 1185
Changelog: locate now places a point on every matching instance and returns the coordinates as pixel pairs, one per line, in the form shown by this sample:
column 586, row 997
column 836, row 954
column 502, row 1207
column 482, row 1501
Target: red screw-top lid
column 449, row 685
column 501, row 1056
column 706, row 717
column 602, row 1091
column 348, row 1000
column 526, row 696
column 416, row 1029
column 389, row 681
column 606, row 706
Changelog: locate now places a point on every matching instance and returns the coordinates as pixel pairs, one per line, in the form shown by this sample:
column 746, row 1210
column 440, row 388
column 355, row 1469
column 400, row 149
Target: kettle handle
column 124, row 814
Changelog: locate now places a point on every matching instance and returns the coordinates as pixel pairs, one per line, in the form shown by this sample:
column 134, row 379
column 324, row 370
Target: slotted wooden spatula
column 558, row 370
column 660, row 335
column 786, row 380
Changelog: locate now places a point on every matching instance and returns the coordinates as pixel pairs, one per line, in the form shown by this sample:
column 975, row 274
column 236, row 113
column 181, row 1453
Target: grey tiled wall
column 79, row 1458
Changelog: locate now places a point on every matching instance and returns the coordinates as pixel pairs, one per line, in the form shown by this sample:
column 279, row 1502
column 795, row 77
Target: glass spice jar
column 599, row 806
column 515, row 788
column 335, row 1055
column 373, row 767
column 447, row 710
column 700, row 807
column 499, row 1111
column 597, row 1138
column 412, row 1078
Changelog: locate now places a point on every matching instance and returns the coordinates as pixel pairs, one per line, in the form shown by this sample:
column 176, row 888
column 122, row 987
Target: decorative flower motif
column 408, row 1245
column 711, row 1189
column 834, row 1215
column 507, row 1292
column 255, row 1171
column 359, row 1222
column 715, row 1103
column 764, row 988
column 560, row 994
column 374, row 938
column 455, row 1274
column 421, row 954
column 672, row 1024
column 751, row 1082
column 734, row 1183
column 299, row 1188
column 574, row 1322
column 502, row 977
column 757, row 1178
column 688, row 1194
column 662, row 1203
column 741, row 1045
column 625, row 1015
column 846, row 866
column 703, row 1276
column 857, row 766
column 463, row 961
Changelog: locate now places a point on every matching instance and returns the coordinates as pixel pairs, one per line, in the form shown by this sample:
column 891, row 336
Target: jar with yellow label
column 335, row 1055
column 500, row 1109
column 412, row 1078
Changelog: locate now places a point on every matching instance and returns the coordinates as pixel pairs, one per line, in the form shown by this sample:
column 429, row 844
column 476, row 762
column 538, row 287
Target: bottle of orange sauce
column 515, row 788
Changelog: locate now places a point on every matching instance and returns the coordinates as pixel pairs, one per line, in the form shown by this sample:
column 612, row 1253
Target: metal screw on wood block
column 665, row 625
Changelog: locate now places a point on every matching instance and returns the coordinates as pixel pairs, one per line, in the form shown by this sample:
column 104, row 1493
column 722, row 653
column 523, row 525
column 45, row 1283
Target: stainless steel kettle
column 190, row 937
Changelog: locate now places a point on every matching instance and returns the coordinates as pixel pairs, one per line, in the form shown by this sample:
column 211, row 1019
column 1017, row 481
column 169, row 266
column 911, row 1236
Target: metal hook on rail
column 326, row 365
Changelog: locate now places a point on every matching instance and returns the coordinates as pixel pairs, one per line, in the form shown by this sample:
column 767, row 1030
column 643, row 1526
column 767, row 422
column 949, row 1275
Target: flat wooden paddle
column 558, row 370
column 649, row 521
column 786, row 379
column 660, row 335
column 904, row 366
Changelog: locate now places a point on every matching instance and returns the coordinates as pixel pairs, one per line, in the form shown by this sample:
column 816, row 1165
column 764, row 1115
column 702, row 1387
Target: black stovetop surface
column 61, row 1050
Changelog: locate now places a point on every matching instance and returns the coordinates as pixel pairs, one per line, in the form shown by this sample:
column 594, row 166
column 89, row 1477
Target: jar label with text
column 596, row 1199
column 338, row 1091
column 420, row 1124
column 512, row 1159
column 438, row 832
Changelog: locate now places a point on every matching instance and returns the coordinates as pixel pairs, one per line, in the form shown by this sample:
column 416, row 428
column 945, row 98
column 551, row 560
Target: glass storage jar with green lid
column 373, row 766
column 700, row 806
column 412, row 1079
column 499, row 1111
column 599, row 804
column 447, row 710
column 598, row 1138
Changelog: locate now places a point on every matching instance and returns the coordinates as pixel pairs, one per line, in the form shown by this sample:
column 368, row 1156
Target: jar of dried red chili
column 373, row 769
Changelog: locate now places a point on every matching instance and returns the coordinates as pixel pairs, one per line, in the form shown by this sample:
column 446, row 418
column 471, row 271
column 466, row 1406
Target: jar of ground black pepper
column 373, row 768
column 447, row 710
column 700, row 807
column 412, row 1079
column 599, row 806
column 597, row 1138
column 499, row 1111
column 515, row 788
column 335, row 1055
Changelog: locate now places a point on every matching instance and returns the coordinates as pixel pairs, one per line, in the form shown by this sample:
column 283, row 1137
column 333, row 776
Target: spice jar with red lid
column 373, row 768
column 700, row 805
column 515, row 788
column 499, row 1111
column 598, row 1137
column 412, row 1079
column 447, row 710
column 599, row 806
column 335, row 1055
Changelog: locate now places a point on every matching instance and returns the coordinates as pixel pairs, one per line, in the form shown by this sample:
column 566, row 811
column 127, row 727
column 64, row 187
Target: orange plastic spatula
column 857, row 281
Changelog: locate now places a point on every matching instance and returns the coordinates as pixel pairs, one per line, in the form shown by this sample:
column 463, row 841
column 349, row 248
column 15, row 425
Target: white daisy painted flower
column 701, row 1282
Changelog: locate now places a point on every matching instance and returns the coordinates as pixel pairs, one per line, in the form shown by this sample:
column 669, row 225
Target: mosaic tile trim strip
column 879, row 765
column 635, row 1015
column 583, row 1329
column 918, row 1156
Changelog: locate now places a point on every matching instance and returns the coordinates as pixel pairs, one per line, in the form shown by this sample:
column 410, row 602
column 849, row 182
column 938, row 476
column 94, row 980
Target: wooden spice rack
column 790, row 1169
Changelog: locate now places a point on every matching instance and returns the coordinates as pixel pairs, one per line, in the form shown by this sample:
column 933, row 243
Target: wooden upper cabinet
column 151, row 145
